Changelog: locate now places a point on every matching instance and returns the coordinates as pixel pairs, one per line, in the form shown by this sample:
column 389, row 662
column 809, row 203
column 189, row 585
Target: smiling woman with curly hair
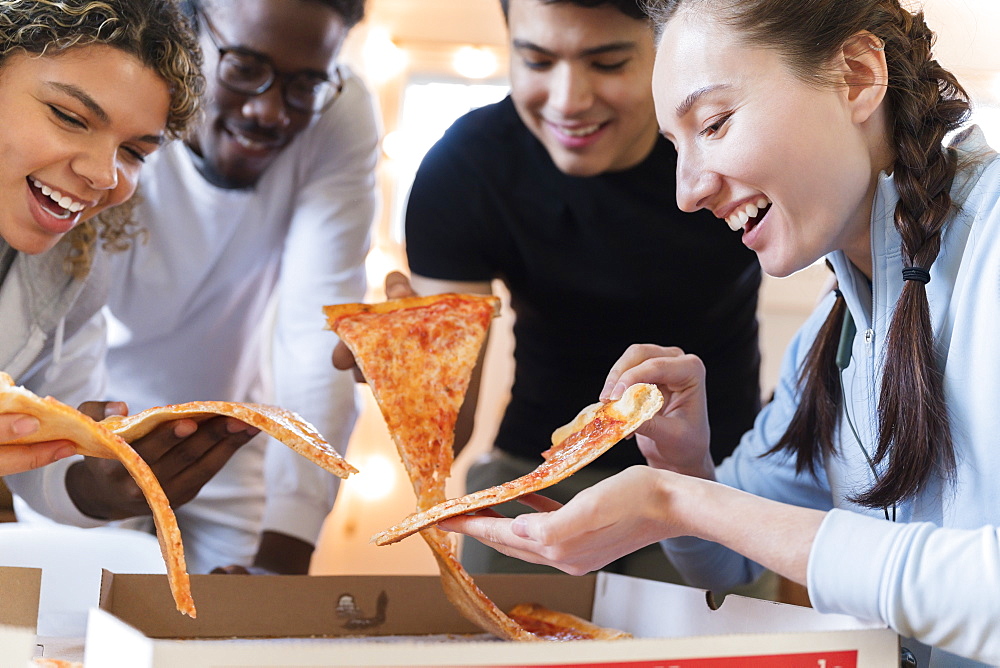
column 88, row 89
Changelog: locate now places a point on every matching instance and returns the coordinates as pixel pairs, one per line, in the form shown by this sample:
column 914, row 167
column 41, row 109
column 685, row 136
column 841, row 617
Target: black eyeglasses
column 247, row 72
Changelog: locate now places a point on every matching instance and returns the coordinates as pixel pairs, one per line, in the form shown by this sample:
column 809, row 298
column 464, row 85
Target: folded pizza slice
column 284, row 425
column 59, row 421
column 590, row 434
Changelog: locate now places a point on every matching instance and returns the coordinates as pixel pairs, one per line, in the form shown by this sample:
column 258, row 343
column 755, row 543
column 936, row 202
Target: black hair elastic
column 916, row 274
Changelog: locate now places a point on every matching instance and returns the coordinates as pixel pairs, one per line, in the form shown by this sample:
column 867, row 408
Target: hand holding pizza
column 18, row 458
column 677, row 438
column 183, row 454
column 397, row 286
column 615, row 517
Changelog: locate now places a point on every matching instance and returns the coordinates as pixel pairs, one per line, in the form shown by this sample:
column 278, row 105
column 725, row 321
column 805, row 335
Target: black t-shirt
column 593, row 264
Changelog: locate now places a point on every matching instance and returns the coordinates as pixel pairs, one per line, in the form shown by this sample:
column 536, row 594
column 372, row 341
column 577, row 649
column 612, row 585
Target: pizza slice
column 110, row 438
column 418, row 354
column 584, row 439
column 59, row 421
column 555, row 625
column 286, row 426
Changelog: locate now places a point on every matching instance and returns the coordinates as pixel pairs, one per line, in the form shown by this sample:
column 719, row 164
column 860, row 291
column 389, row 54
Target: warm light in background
column 383, row 60
column 376, row 478
column 475, row 62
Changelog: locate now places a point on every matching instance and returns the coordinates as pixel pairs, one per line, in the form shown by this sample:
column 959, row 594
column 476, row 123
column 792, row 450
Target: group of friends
column 186, row 183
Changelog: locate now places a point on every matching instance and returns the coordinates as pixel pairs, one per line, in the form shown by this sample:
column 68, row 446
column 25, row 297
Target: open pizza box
column 20, row 589
column 256, row 621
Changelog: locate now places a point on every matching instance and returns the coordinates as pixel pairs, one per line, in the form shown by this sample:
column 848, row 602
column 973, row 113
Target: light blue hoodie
column 933, row 575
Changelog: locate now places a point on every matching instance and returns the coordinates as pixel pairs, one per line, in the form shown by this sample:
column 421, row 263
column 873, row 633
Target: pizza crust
column 555, row 625
column 286, row 426
column 109, row 439
column 584, row 439
column 59, row 421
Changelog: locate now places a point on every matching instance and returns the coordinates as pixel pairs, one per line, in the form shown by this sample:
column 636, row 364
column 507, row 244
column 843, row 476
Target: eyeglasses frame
column 336, row 82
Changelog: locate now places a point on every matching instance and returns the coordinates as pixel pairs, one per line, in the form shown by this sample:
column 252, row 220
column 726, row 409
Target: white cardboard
column 17, row 646
column 673, row 625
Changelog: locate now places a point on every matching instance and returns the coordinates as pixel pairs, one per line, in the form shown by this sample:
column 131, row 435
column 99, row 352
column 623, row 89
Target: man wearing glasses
column 267, row 205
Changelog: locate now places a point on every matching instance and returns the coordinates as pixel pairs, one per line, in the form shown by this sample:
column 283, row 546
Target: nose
column 695, row 184
column 268, row 109
column 570, row 90
column 98, row 167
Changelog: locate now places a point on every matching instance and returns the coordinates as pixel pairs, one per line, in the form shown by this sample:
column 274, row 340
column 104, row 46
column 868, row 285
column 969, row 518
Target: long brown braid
column 925, row 102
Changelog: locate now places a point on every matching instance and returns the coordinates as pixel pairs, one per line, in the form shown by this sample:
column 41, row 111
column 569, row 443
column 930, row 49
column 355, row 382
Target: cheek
column 528, row 89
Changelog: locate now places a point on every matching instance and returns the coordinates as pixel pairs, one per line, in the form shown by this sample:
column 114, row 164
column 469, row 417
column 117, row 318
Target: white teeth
column 64, row 201
column 582, row 132
column 737, row 219
column 250, row 143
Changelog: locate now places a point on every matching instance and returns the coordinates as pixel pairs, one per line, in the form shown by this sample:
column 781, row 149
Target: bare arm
column 641, row 506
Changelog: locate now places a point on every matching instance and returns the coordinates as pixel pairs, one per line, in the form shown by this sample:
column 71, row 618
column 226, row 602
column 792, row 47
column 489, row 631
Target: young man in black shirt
column 565, row 192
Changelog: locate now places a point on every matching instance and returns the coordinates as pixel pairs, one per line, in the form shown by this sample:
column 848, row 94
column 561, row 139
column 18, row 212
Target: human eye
column 613, row 66
column 537, row 64
column 135, row 154
column 716, row 125
column 66, row 118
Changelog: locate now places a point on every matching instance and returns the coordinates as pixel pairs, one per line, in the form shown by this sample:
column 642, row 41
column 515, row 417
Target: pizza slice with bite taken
column 581, row 441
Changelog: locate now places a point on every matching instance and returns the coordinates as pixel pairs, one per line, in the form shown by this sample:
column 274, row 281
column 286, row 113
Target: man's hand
column 183, row 455
column 397, row 286
column 18, row 458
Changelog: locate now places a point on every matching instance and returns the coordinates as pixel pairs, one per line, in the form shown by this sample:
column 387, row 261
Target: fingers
column 622, row 374
column 199, row 449
column 397, row 286
column 17, row 425
column 542, row 504
column 343, row 358
column 19, row 458
column 98, row 410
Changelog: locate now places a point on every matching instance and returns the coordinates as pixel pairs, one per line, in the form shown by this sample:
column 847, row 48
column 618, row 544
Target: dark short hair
column 351, row 11
column 632, row 8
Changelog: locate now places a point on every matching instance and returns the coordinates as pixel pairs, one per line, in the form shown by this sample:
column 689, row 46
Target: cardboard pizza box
column 258, row 621
column 19, row 594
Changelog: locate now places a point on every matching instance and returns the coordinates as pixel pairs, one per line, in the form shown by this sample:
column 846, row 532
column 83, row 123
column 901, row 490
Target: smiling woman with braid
column 824, row 129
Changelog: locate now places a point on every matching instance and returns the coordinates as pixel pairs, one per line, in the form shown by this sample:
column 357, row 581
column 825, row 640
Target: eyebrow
column 692, row 99
column 90, row 103
column 593, row 51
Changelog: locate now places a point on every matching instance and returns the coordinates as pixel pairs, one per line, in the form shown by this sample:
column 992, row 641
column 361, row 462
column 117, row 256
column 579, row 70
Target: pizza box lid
column 20, row 589
column 270, row 621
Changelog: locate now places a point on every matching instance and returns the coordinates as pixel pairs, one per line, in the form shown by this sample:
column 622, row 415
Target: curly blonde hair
column 155, row 32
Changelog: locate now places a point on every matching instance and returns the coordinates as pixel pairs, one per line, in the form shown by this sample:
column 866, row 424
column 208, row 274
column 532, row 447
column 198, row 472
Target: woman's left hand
column 19, row 458
column 613, row 518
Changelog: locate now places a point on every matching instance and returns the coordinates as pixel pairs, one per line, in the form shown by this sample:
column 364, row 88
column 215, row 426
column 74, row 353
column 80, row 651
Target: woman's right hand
column 18, row 458
column 677, row 438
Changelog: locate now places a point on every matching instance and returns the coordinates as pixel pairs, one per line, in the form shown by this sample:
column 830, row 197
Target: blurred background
column 430, row 61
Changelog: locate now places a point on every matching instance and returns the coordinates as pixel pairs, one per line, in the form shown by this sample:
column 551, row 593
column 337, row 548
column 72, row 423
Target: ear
column 865, row 74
